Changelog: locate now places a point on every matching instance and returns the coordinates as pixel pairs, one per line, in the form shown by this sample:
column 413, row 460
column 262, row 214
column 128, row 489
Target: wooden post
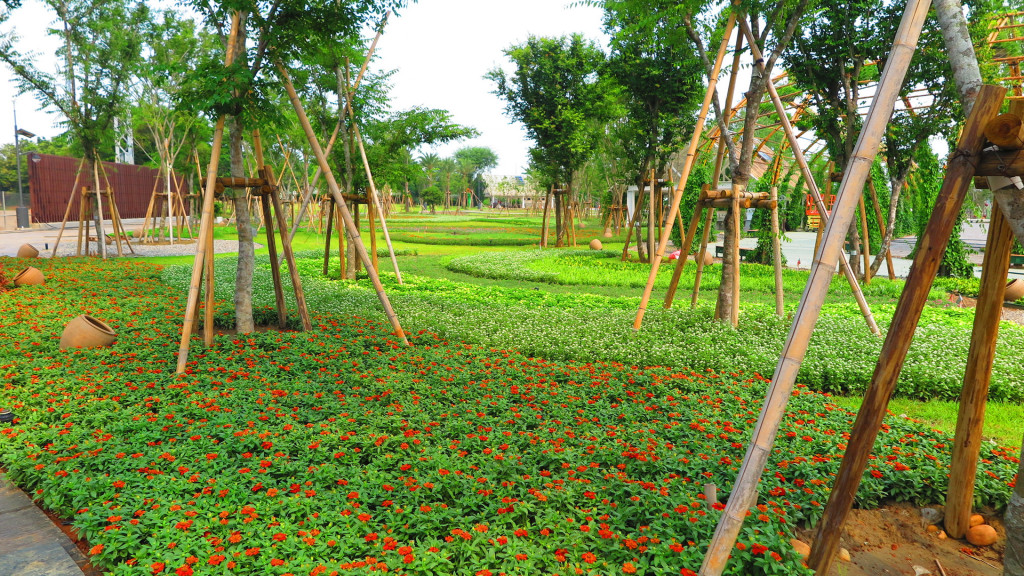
column 652, row 215
column 777, row 252
column 967, row 440
column 329, row 236
column 342, row 250
column 709, row 223
column 744, row 491
column 336, row 193
column 930, row 248
column 544, row 220
column 865, row 241
column 286, row 247
column 684, row 175
column 881, row 226
column 204, row 249
column 812, row 186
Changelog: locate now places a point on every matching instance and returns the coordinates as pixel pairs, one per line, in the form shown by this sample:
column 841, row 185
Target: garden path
column 30, row 544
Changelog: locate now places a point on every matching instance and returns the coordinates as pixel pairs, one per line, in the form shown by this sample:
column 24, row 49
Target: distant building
column 514, row 191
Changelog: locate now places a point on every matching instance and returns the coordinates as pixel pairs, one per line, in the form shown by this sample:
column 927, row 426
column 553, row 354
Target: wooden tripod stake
column 744, row 492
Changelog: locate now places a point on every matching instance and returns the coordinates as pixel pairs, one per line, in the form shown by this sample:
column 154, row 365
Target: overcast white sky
column 441, row 50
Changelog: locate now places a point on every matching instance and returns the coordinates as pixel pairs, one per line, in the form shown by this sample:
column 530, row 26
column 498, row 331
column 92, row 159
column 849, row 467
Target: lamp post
column 22, row 220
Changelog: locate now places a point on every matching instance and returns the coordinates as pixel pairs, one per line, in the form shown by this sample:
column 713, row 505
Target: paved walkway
column 30, row 545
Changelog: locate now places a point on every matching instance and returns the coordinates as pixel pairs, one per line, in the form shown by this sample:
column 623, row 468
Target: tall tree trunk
column 960, row 50
column 246, row 249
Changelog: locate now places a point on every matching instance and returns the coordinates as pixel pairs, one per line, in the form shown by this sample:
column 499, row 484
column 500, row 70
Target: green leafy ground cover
column 341, row 450
column 563, row 326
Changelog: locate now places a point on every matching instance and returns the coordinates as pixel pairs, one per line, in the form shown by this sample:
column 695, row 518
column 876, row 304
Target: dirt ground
column 894, row 540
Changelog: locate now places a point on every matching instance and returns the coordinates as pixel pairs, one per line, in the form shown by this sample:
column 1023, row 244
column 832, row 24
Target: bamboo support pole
column 544, row 220
column 289, row 254
column 684, row 252
column 640, row 201
column 978, row 376
column 684, row 175
column 709, row 222
column 822, row 214
column 744, row 492
column 83, row 214
column 777, row 253
column 881, row 226
column 101, row 243
column 67, row 211
column 865, row 243
column 931, row 246
column 115, row 216
column 275, row 270
column 375, row 205
column 268, row 219
column 355, row 86
column 204, row 250
column 336, row 193
column 149, row 209
column 328, row 237
column 737, row 232
column 812, row 186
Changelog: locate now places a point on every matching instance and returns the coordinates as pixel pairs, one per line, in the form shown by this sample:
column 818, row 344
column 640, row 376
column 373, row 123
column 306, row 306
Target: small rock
column 982, row 535
column 931, row 516
column 921, row 570
column 975, row 520
column 932, row 528
column 844, row 555
column 942, row 534
column 801, row 548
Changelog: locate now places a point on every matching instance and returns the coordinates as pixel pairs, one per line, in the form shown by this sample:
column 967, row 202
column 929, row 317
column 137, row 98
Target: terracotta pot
column 87, row 332
column 708, row 258
column 1014, row 290
column 28, row 251
column 29, row 277
column 595, row 244
column 607, row 233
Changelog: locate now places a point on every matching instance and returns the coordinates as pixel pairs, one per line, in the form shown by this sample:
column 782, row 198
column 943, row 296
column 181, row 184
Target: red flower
column 96, row 549
column 758, row 549
column 184, row 571
column 589, row 557
column 157, row 567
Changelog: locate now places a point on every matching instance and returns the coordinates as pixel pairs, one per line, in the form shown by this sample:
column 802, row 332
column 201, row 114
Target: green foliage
column 660, row 75
column 558, row 94
column 101, row 45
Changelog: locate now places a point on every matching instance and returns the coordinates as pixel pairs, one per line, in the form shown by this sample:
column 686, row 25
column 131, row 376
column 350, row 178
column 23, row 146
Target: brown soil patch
column 893, row 540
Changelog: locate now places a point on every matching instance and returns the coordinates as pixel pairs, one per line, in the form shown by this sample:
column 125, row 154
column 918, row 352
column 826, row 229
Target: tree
column 770, row 23
column 393, row 140
column 473, row 162
column 655, row 64
column 558, row 93
column 100, row 50
column 288, row 31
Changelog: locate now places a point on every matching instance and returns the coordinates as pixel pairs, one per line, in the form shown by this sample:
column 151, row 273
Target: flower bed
column 339, row 450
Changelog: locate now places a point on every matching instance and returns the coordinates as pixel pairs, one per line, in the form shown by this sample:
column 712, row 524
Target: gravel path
column 187, row 248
